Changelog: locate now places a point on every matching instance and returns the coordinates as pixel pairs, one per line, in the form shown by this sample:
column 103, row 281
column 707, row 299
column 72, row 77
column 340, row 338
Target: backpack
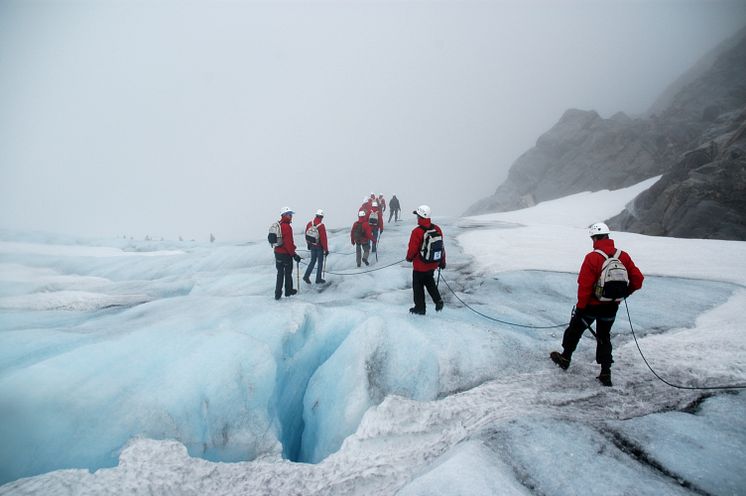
column 312, row 233
column 431, row 249
column 358, row 233
column 374, row 217
column 275, row 235
column 613, row 282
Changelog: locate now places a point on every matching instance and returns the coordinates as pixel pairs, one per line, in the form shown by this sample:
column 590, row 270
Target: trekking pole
column 437, row 283
column 297, row 275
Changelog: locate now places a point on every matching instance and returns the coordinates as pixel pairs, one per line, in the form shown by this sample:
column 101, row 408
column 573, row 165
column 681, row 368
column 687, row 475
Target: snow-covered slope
column 172, row 370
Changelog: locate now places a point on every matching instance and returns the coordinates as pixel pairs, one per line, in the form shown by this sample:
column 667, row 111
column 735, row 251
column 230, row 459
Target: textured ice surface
column 153, row 367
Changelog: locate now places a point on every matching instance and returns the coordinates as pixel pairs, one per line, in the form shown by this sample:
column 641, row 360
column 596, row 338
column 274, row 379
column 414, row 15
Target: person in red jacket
column 590, row 308
column 427, row 253
column 361, row 236
column 285, row 254
column 375, row 220
column 382, row 203
column 317, row 245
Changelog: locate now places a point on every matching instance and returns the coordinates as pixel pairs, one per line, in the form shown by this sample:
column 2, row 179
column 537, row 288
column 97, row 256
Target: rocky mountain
column 693, row 136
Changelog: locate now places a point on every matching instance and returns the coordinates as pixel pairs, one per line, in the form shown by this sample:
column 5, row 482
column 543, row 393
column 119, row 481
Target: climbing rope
column 661, row 378
column 360, row 271
column 493, row 318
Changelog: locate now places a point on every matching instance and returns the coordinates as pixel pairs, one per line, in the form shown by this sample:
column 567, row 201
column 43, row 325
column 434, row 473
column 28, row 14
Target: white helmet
column 320, row 212
column 361, row 213
column 423, row 211
column 286, row 211
column 372, row 195
column 597, row 229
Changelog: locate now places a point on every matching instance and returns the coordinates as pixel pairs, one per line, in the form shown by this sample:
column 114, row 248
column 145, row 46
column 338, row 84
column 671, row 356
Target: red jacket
column 288, row 244
column 415, row 243
column 322, row 233
column 367, row 232
column 380, row 217
column 365, row 207
column 591, row 270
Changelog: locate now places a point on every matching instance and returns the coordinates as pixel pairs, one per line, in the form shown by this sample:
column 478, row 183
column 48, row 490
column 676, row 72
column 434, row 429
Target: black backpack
column 431, row 249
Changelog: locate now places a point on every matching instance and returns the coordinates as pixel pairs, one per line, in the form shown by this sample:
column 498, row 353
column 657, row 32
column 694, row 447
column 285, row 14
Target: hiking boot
column 439, row 306
column 365, row 262
column 307, row 280
column 291, row 292
column 605, row 378
column 416, row 311
column 321, row 281
column 278, row 296
column 560, row 360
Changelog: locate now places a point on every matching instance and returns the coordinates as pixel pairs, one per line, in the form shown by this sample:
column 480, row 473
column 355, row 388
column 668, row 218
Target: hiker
column 427, row 253
column 375, row 220
column 285, row 254
column 382, row 203
column 366, row 205
column 360, row 236
column 600, row 289
column 395, row 208
column 317, row 245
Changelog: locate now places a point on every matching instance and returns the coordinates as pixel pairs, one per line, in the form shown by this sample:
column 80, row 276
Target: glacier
column 134, row 367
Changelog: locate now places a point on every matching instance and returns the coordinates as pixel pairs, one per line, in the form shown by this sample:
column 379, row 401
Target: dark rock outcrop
column 693, row 136
column 702, row 196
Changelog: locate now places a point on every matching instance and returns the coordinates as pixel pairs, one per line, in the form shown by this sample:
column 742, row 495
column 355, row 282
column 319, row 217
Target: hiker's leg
column 280, row 266
column 573, row 333
column 366, row 251
column 606, row 317
column 432, row 288
column 320, row 257
column 311, row 264
column 358, row 252
column 288, row 275
column 418, row 290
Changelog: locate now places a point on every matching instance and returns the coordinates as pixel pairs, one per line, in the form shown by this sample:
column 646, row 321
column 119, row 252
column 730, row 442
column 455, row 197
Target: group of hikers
column 607, row 275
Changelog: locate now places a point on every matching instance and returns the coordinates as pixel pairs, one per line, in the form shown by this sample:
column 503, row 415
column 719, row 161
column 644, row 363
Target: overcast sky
column 184, row 118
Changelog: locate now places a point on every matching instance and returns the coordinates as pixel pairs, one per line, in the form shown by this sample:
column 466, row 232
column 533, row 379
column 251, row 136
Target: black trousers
column 420, row 281
column 284, row 264
column 604, row 316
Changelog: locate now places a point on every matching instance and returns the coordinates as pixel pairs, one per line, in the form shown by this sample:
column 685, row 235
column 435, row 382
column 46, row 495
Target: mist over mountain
column 693, row 136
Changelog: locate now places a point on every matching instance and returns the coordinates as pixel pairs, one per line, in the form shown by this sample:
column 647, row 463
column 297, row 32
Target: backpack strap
column 603, row 254
column 617, row 253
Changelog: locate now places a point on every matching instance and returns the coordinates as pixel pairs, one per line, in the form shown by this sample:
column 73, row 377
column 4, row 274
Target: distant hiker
column 317, row 244
column 361, row 236
column 395, row 208
column 382, row 203
column 281, row 238
column 375, row 220
column 607, row 276
column 427, row 253
column 366, row 205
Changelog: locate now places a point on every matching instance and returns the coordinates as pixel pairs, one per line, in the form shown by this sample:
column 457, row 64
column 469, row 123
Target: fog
column 176, row 119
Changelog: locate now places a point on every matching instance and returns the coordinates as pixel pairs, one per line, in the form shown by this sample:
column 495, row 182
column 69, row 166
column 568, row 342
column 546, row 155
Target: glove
column 352, row 243
column 326, row 253
column 409, row 259
column 442, row 265
column 297, row 258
